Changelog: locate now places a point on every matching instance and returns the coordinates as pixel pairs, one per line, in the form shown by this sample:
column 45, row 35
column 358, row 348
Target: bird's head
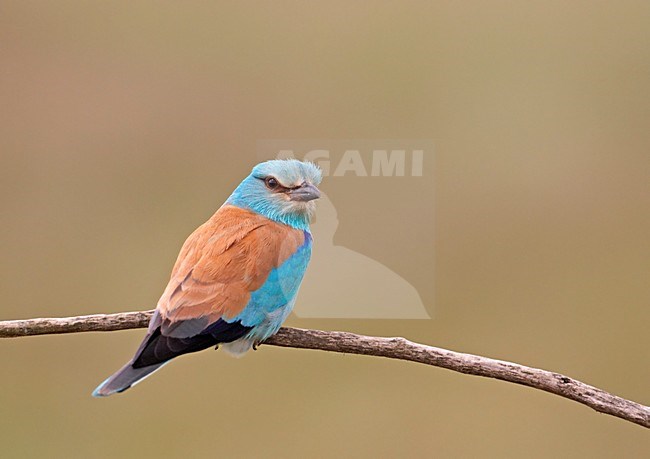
column 283, row 190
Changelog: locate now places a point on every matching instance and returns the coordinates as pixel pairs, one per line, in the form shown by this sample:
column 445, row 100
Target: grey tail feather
column 125, row 377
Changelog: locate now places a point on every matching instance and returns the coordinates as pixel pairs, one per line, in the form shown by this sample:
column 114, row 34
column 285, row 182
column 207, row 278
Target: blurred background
column 124, row 125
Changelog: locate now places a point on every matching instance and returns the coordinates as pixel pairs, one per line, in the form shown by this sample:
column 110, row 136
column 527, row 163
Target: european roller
column 237, row 276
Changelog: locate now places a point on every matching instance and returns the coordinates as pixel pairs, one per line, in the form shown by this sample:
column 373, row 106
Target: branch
column 393, row 348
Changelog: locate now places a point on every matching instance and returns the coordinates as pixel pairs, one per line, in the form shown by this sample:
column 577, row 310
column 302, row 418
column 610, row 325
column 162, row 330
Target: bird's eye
column 271, row 183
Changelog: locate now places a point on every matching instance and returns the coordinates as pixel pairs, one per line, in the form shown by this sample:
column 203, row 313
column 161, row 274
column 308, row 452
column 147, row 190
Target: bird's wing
column 224, row 265
column 231, row 274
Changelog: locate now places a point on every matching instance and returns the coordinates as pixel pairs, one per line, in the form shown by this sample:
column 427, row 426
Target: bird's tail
column 126, row 377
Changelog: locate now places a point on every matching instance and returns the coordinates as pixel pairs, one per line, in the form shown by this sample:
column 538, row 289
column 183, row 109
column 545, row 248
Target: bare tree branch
column 393, row 348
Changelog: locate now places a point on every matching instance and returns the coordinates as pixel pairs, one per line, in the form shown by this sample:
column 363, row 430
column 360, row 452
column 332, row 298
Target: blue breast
column 279, row 290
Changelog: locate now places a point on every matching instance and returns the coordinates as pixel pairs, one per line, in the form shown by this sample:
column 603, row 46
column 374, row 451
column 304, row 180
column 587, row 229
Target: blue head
column 283, row 190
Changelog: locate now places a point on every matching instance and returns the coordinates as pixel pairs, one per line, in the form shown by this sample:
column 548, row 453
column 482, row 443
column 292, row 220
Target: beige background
column 124, row 125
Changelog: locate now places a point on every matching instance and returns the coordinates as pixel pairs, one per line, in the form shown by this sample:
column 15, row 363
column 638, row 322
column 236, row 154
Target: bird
column 236, row 277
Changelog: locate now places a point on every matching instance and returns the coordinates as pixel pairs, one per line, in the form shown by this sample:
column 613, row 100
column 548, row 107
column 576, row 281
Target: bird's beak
column 305, row 192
